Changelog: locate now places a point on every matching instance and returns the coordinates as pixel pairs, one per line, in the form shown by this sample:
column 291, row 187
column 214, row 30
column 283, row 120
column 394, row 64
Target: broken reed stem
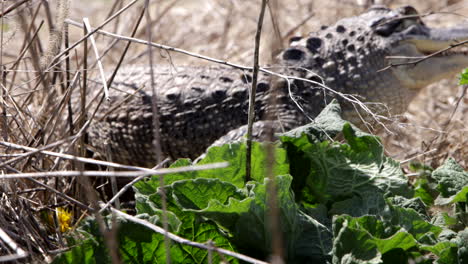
column 273, row 213
column 117, row 67
column 91, row 196
column 3, row 121
column 156, row 135
column 130, row 184
column 154, row 99
column 83, row 92
column 98, row 58
column 68, row 83
column 276, row 43
column 87, row 26
column 253, row 91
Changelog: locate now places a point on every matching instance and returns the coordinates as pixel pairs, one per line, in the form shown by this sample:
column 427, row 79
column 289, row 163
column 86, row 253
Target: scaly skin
column 199, row 105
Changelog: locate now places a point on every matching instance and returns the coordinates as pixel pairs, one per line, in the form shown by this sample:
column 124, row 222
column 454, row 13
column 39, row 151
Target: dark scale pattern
column 344, row 42
column 293, row 54
column 190, row 111
column 340, row 29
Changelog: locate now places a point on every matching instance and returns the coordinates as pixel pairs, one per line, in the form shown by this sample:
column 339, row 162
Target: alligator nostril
column 313, row 44
column 218, row 94
column 293, row 54
column 340, row 29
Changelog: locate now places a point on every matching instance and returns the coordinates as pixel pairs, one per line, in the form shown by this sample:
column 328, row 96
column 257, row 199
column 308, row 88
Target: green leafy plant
column 339, row 202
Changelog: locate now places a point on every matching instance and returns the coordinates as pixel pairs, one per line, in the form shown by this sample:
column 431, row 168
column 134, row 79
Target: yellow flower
column 64, row 218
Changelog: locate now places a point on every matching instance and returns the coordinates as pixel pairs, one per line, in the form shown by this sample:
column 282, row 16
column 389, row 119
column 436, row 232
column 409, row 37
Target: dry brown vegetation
column 34, row 102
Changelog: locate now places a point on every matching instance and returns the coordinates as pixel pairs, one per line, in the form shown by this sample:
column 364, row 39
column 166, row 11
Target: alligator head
column 353, row 56
column 412, row 40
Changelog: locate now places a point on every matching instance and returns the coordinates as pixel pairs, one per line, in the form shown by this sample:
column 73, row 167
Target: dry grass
column 34, row 105
column 436, row 121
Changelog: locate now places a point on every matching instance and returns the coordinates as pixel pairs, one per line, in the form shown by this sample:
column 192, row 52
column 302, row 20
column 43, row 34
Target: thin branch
column 3, row 117
column 253, row 92
column 155, row 130
column 130, row 184
column 421, row 59
column 19, row 252
column 161, row 46
column 70, row 157
column 417, row 156
column 59, row 193
column 217, row 165
column 13, row 7
column 445, row 127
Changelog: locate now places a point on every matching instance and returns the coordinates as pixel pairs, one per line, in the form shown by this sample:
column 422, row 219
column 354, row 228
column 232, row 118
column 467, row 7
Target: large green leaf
column 462, row 242
column 243, row 214
column 325, row 126
column 464, row 77
column 413, row 223
column 423, row 190
column 446, row 251
column 197, row 194
column 139, row 244
column 395, row 238
column 451, row 178
column 328, row 172
column 247, row 222
column 235, row 154
column 461, row 196
column 370, row 204
column 376, row 217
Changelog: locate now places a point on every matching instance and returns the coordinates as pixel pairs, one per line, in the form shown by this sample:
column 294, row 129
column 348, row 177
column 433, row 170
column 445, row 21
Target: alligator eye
column 386, row 28
column 407, row 17
column 407, row 10
column 411, row 17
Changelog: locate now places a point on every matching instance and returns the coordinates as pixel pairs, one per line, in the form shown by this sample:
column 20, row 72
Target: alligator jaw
column 433, row 68
column 437, row 39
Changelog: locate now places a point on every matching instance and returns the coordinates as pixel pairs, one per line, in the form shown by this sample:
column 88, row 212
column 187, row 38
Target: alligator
column 371, row 57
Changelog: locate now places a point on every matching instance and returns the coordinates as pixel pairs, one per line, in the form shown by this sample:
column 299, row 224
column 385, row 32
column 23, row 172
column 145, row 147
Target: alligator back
column 196, row 106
